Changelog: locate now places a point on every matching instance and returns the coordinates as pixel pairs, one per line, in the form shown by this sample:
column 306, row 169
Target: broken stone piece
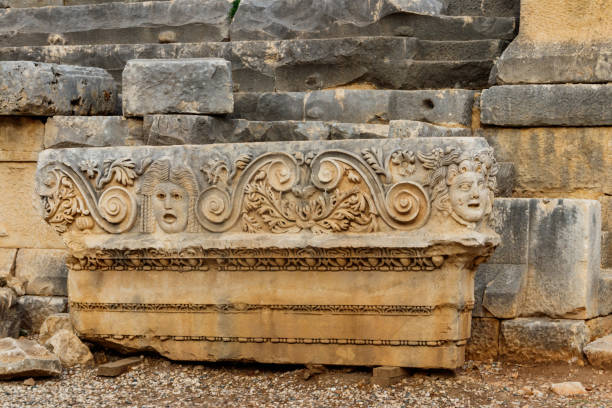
column 568, row 389
column 115, row 368
column 599, row 352
column 195, row 85
column 53, row 324
column 25, row 358
column 70, row 350
column 386, row 376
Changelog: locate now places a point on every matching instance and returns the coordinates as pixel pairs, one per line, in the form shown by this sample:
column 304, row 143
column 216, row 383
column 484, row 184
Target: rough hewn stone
column 197, row 85
column 41, row 89
column 10, row 319
column 547, row 105
column 21, row 138
column 115, row 23
column 484, row 340
column 92, row 131
column 20, row 224
column 35, row 309
column 542, row 340
column 599, row 352
column 599, row 327
column 560, row 42
column 43, row 270
column 53, row 324
column 7, row 264
column 25, row 358
column 70, row 350
column 274, row 19
column 568, row 388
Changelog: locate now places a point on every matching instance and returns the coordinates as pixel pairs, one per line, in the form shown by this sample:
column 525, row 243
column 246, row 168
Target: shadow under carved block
column 333, row 252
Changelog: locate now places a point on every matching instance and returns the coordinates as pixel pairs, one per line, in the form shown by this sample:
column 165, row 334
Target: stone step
column 299, row 65
column 116, row 23
column 48, row 3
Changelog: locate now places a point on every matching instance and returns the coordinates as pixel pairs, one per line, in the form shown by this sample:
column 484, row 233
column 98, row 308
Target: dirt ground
column 157, row 382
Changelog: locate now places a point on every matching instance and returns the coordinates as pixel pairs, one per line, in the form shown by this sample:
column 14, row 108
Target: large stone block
column 21, row 138
column 25, row 358
column 116, row 23
column 35, row 310
column 43, row 270
column 540, row 156
column 537, row 340
column 484, row 340
column 274, row 19
column 197, row 85
column 411, row 128
column 547, row 105
column 560, row 42
column 40, row 89
column 210, row 252
column 20, row 224
column 92, row 131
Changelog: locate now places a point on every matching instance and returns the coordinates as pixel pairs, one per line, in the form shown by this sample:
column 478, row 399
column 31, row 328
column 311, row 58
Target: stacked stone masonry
column 430, row 68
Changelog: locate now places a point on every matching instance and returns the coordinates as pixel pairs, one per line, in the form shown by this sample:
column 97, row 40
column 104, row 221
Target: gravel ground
column 157, row 382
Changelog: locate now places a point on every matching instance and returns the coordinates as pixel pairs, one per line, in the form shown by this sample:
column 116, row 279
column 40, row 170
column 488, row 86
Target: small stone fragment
column 568, row 389
column 386, row 376
column 69, row 348
column 30, row 381
column 115, row 368
column 26, row 358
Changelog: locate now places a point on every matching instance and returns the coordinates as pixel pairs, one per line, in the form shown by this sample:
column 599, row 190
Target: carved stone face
column 469, row 196
column 170, row 204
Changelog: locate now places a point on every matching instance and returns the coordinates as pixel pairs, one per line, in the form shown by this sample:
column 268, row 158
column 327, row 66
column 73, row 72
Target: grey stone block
column 44, row 271
column 276, row 19
column 32, row 88
column 411, row 128
column 441, row 107
column 547, row 105
column 116, row 23
column 35, row 309
column 506, row 179
column 353, row 106
column 201, row 86
column 497, row 8
column 599, row 352
column 484, row 340
column 537, row 340
column 92, row 131
column 512, row 222
column 503, row 295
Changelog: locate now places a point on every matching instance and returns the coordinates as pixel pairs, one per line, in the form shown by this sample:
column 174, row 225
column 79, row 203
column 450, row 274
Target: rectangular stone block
column 537, row 340
column 44, row 271
column 410, row 128
column 484, row 340
column 35, row 309
column 540, row 156
column 20, row 223
column 92, row 131
column 21, row 138
column 197, row 85
column 41, row 89
column 7, row 264
column 547, row 105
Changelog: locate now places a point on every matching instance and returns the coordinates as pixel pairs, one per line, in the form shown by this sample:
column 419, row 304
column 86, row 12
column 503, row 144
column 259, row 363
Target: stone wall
column 433, row 68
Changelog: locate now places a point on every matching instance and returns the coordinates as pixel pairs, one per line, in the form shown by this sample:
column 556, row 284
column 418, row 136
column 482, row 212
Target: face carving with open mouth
column 468, row 196
column 170, row 203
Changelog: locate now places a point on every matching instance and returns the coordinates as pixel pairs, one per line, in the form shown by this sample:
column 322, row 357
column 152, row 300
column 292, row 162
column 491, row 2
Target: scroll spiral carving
column 408, row 202
column 118, row 206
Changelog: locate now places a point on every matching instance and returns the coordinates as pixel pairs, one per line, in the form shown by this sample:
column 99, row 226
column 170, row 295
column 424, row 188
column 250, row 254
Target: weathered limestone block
column 10, row 319
column 21, row 138
column 210, row 252
column 25, row 358
column 547, row 105
column 53, row 324
column 599, row 352
column 493, row 8
column 541, row 155
column 606, row 249
column 542, row 340
column 197, row 85
column 7, row 264
column 92, row 131
column 411, row 128
column 560, row 42
column 35, row 309
column 70, row 350
column 20, row 224
column 276, row 19
column 43, row 270
column 40, row 89
column 116, row 23
column 484, row 341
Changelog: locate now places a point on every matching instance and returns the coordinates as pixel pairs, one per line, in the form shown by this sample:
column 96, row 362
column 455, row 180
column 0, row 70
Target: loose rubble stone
column 484, row 340
column 70, row 350
column 7, row 264
column 200, row 85
column 568, row 389
column 10, row 318
column 116, row 23
column 21, row 138
column 35, row 309
column 547, row 105
column 274, row 19
column 118, row 367
column 386, row 376
column 410, row 128
column 53, row 324
column 93, row 131
column 542, row 340
column 560, row 42
column 35, row 88
column 25, row 358
column 599, row 326
column 43, row 270
column 599, row 352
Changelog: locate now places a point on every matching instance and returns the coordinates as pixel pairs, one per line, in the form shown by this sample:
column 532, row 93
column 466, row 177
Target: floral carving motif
column 62, row 202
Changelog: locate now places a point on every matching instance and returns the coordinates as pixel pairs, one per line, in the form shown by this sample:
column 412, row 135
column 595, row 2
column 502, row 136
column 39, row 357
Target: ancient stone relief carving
column 331, row 191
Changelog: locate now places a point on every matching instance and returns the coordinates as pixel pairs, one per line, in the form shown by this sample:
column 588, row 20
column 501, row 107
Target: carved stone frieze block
column 337, row 252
